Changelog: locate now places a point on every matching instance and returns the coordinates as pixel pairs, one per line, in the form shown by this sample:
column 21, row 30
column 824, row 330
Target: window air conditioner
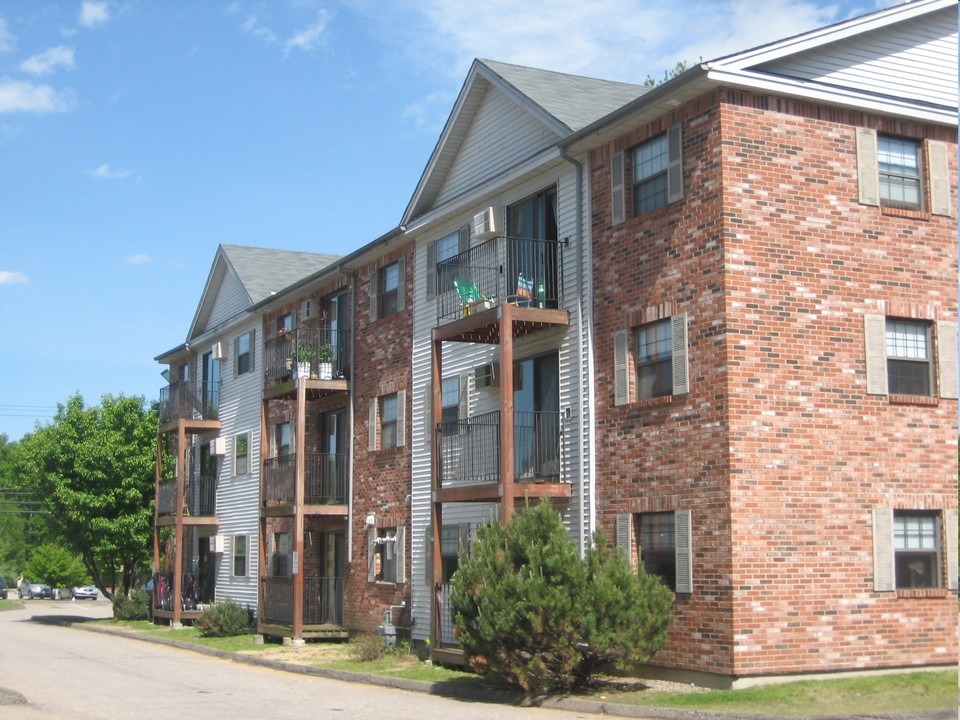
column 488, row 376
column 218, row 446
column 216, row 543
column 485, row 225
column 306, row 309
column 217, row 351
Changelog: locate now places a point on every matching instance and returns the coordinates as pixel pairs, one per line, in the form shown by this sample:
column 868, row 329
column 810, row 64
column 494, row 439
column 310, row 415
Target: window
column 244, row 353
column 389, row 289
column 665, row 547
column 657, row 174
column 654, row 360
column 388, row 421
column 453, row 538
column 908, row 357
column 911, row 548
column 283, row 439
column 241, row 454
column 441, row 277
column 280, row 565
column 284, row 324
column 659, row 360
column 904, row 357
column 386, row 554
column 240, row 551
column 899, row 167
column 917, row 549
column 451, row 403
column 903, row 173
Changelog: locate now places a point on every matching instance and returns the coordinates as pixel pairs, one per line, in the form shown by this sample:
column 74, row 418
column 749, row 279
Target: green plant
column 368, row 647
column 531, row 615
column 302, row 353
column 223, row 619
column 325, row 353
column 135, row 607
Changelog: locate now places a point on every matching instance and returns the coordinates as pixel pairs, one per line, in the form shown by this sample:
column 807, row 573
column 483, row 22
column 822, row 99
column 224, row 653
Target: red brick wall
column 777, row 449
column 381, row 479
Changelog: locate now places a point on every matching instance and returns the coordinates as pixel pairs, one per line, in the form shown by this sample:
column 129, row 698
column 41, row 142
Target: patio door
column 532, row 257
column 337, row 320
column 536, row 401
column 334, row 456
column 332, row 574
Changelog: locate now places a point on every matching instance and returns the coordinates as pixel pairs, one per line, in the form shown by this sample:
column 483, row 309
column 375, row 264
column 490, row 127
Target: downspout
column 351, row 386
column 580, row 349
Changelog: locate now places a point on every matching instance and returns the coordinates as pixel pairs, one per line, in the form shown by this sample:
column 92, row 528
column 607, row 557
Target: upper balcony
column 470, row 457
column 318, row 356
column 476, row 286
column 325, row 484
column 199, row 500
column 184, row 400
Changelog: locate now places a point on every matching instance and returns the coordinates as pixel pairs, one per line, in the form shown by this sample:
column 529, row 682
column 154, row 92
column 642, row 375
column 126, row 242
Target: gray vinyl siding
column 502, row 134
column 230, row 300
column 914, row 60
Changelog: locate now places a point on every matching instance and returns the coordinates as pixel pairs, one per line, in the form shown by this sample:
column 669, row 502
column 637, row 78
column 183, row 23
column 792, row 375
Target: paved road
column 65, row 673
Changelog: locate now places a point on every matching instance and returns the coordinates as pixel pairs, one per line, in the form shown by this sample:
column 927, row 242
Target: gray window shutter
column 681, row 381
column 400, row 553
column 401, row 283
column 617, row 189
column 464, row 238
column 674, row 164
column 374, row 289
column 374, row 424
column 684, row 550
column 625, row 535
column 401, row 418
column 253, row 350
column 875, row 338
column 431, row 270
column 939, row 174
column 868, row 168
column 371, row 554
column 621, row 368
column 947, row 358
column 884, row 572
column 950, row 520
column 463, row 412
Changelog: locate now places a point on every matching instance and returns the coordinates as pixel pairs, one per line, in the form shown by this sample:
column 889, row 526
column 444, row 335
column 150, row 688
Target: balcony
column 324, row 356
column 521, row 273
column 325, row 479
column 183, row 400
column 470, row 456
column 199, row 499
column 323, row 605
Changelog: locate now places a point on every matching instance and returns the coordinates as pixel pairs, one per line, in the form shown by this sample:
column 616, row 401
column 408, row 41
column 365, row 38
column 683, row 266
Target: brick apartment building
column 715, row 318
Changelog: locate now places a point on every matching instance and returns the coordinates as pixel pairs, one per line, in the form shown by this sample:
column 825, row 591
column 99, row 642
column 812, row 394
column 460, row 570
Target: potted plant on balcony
column 325, row 361
column 302, row 356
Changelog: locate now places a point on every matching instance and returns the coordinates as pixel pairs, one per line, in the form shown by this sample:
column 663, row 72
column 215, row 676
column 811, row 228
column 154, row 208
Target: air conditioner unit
column 217, row 351
column 487, row 376
column 218, row 446
column 486, row 224
column 216, row 543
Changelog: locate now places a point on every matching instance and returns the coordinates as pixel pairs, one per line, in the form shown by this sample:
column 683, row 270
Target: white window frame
column 885, row 551
column 249, row 354
column 241, row 437
column 625, row 371
column 935, row 190
column 234, row 556
column 943, row 356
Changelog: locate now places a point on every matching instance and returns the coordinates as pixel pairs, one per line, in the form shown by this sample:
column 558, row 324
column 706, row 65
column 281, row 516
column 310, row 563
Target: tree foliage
column 679, row 69
column 530, row 614
column 57, row 567
column 94, row 470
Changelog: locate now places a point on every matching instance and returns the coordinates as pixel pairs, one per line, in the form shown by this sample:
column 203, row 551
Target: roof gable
column 240, row 277
column 531, row 110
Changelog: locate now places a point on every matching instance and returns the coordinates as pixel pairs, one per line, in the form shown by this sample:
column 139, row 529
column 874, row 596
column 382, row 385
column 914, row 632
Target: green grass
column 9, row 604
column 877, row 694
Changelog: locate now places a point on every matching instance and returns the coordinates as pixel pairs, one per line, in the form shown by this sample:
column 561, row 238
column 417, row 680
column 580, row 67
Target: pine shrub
column 135, row 607
column 223, row 619
column 531, row 615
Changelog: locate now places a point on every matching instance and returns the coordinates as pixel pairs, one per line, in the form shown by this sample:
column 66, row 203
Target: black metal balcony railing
column 326, row 479
column 469, row 449
column 323, row 600
column 201, row 495
column 167, row 498
column 279, row 479
column 184, row 400
column 502, row 270
column 283, row 352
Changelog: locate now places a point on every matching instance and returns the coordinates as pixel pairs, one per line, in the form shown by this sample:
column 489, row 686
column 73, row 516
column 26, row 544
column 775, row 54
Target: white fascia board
column 834, row 96
column 494, row 186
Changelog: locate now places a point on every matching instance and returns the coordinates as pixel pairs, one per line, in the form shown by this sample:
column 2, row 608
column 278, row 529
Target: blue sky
column 137, row 135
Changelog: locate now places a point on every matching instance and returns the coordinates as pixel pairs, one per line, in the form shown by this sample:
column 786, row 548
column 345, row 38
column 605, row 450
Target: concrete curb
column 499, row 697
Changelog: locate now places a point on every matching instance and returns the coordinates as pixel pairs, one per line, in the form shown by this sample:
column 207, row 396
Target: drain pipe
column 580, row 353
column 351, row 384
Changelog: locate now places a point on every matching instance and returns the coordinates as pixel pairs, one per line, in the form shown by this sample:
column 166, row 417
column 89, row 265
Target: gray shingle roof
column 264, row 271
column 574, row 100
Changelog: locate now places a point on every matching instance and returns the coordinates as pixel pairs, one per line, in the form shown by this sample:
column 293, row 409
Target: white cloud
column 48, row 61
column 7, row 40
column 312, row 36
column 93, row 13
column 252, row 26
column 105, row 173
column 140, row 259
column 8, row 277
column 27, row 97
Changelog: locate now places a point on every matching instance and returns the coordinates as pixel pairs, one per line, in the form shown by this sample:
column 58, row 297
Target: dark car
column 27, row 589
column 3, row 589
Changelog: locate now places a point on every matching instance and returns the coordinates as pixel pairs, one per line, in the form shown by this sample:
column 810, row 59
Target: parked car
column 3, row 589
column 83, row 592
column 27, row 589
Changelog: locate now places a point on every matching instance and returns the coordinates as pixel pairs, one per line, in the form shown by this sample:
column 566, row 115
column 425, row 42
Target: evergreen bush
column 531, row 615
column 223, row 619
column 135, row 607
